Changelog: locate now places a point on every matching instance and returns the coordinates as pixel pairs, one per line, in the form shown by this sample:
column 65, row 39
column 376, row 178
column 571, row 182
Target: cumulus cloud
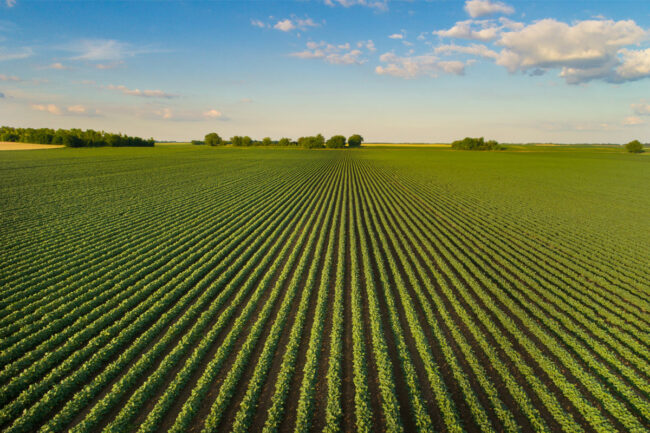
column 414, row 66
column 342, row 54
column 479, row 8
column 49, row 108
column 583, row 51
column 72, row 110
column 396, row 36
column 635, row 64
column 368, row 45
column 481, row 30
column 288, row 24
column 258, row 23
column 479, row 50
column 212, row 114
column 144, row 93
column 284, row 25
column 11, row 3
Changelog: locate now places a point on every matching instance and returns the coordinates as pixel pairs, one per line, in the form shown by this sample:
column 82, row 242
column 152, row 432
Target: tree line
column 72, row 137
column 469, row 143
column 309, row 142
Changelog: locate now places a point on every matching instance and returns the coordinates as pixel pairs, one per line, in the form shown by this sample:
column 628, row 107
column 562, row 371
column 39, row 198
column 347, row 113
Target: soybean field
column 197, row 289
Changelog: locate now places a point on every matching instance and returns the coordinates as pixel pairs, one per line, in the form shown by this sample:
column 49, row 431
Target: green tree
column 213, row 139
column 634, row 146
column 336, row 142
column 469, row 143
column 312, row 142
column 236, row 140
column 284, row 142
column 355, row 140
column 266, row 141
column 246, row 141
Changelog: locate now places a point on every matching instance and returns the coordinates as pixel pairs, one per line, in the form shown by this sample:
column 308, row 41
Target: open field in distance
column 8, row 145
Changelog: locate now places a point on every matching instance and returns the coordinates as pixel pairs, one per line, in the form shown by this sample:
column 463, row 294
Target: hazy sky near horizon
column 422, row 71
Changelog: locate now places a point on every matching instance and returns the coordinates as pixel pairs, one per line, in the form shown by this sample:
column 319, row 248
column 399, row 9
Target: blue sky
column 421, row 71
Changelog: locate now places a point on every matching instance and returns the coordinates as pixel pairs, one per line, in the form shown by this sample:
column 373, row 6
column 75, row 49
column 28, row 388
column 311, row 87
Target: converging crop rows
column 193, row 289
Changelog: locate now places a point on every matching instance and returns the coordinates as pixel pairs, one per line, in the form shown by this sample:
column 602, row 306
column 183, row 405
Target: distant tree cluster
column 634, row 146
column 469, row 143
column 197, row 142
column 309, row 142
column 71, row 137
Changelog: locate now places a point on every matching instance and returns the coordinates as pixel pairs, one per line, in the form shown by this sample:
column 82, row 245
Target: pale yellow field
column 8, row 145
column 406, row 145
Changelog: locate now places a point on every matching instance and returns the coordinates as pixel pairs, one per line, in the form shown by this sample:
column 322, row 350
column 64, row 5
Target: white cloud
column 583, row 51
column 212, row 114
column 9, row 78
column 284, row 25
column 487, row 30
column 396, row 36
column 49, row 108
column 100, row 49
column 473, row 49
column 377, row 4
column 288, row 24
column 21, row 53
column 11, row 3
column 633, row 121
column 305, row 23
column 368, row 45
column 258, row 23
column 341, row 54
column 635, row 64
column 112, row 65
column 144, row 93
column 166, row 113
column 641, row 109
column 77, row 109
column 111, row 50
column 350, row 58
column 479, row 8
column 58, row 65
column 414, row 66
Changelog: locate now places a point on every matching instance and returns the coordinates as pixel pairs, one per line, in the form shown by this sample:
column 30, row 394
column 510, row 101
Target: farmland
column 185, row 288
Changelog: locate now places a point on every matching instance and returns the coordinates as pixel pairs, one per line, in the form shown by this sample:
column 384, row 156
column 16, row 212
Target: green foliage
column 266, row 141
column 374, row 284
column 336, row 142
column 213, row 139
column 285, row 142
column 72, row 137
column 312, row 142
column 355, row 140
column 469, row 143
column 634, row 146
column 197, row 142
